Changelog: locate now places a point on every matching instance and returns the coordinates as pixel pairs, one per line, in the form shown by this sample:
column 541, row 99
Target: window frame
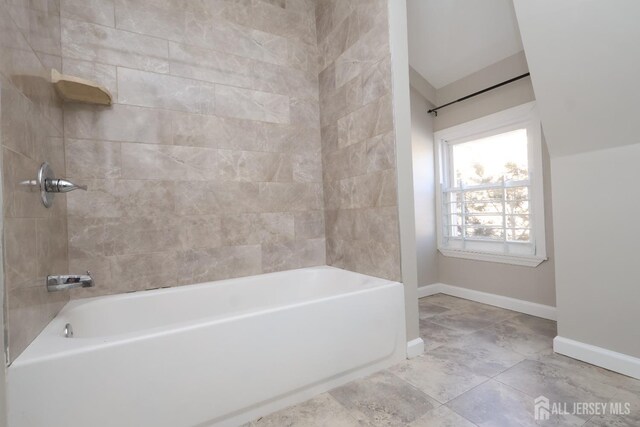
column 522, row 116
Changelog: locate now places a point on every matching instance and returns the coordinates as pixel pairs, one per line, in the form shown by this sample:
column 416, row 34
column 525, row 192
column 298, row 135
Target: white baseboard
column 614, row 361
column 415, row 348
column 425, row 291
column 521, row 306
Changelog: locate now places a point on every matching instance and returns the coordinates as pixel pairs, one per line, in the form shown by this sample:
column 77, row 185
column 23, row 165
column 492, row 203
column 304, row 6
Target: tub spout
column 60, row 283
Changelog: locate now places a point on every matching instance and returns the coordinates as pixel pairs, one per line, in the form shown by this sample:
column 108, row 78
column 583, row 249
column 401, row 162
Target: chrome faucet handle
column 69, row 281
column 49, row 184
column 62, row 186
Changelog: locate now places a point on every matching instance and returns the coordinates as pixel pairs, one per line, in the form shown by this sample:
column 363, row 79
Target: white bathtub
column 219, row 353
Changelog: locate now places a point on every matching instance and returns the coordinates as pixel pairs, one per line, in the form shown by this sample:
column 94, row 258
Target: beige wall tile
column 358, row 142
column 89, row 237
column 290, row 139
column 217, row 132
column 252, row 105
column 337, row 103
column 200, row 231
column 371, row 120
column 118, row 123
column 101, row 200
column 330, row 13
column 221, row 154
column 29, row 310
column 274, row 20
column 144, row 271
column 144, row 234
column 35, row 238
column 161, row 91
column 363, row 55
column 20, row 252
column 39, row 25
column 304, row 112
column 232, row 70
column 199, row 24
column 303, row 57
column 279, row 3
column 252, row 229
column 16, row 124
column 117, row 198
column 308, row 6
column 293, row 254
column 309, row 225
column 51, row 247
column 19, row 199
column 203, row 198
column 92, row 159
column 307, row 167
column 374, row 258
column 287, row 197
column 90, row 42
column 21, row 67
column 254, row 166
column 376, row 80
column 94, row 11
column 196, row 266
column 169, row 163
column 146, row 198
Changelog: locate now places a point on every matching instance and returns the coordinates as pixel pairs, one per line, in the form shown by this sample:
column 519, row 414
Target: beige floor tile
column 442, row 417
column 321, row 411
column 428, row 309
column 438, row 377
column 463, row 320
column 513, row 337
column 493, row 404
column 481, row 356
column 383, row 399
column 435, row 335
column 558, row 384
column 493, row 313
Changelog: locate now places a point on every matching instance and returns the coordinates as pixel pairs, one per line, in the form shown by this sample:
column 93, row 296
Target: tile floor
column 483, row 366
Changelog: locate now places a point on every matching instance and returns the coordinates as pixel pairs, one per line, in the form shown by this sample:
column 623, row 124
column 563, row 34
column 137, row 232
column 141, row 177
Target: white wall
column 402, row 122
column 511, row 95
column 596, row 199
column 423, row 87
column 3, row 380
column 424, row 188
column 584, row 59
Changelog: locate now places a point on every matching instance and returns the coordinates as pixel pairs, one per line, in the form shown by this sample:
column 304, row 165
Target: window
column 490, row 197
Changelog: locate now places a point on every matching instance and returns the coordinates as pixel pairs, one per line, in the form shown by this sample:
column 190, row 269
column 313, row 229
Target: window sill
column 526, row 261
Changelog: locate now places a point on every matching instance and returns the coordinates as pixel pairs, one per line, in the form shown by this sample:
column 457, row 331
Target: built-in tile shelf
column 76, row 89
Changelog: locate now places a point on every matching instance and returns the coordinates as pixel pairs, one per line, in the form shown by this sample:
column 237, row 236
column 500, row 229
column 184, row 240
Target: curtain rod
column 506, row 82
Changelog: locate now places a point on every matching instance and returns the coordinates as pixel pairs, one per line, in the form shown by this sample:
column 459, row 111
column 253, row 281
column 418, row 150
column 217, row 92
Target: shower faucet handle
column 49, row 185
column 62, row 186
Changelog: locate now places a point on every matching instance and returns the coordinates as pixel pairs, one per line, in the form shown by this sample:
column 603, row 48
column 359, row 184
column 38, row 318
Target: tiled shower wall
column 208, row 164
column 35, row 238
column 358, row 141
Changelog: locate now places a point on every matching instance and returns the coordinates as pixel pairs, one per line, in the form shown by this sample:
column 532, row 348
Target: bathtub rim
column 51, row 344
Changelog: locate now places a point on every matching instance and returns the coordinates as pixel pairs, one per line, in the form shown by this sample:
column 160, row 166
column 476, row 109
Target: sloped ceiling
column 451, row 39
column 584, row 59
